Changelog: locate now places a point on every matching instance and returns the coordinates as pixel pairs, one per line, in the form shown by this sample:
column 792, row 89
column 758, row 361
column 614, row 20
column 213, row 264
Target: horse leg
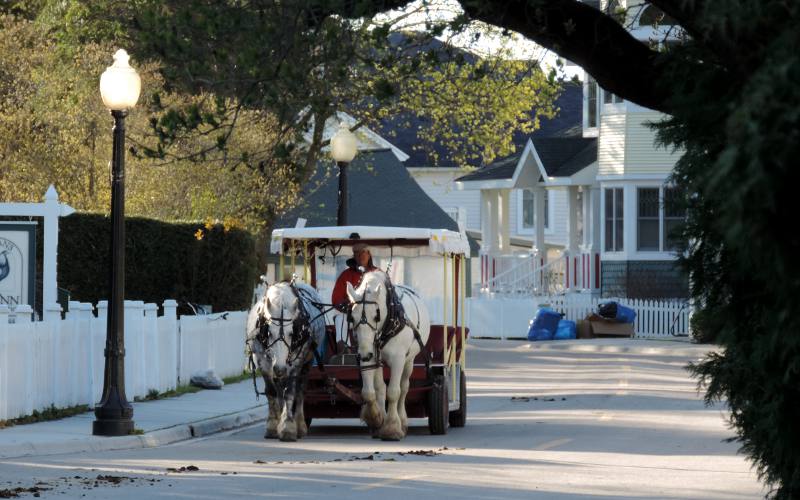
column 391, row 429
column 299, row 414
column 371, row 413
column 273, row 409
column 287, row 430
column 404, row 384
column 380, row 398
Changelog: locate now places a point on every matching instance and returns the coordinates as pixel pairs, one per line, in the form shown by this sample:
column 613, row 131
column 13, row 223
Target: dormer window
column 591, row 111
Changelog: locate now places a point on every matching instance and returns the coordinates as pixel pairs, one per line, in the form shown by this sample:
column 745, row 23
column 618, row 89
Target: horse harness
column 395, row 322
column 300, row 335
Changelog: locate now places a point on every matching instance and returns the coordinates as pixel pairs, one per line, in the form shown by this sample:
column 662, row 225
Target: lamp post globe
column 120, row 86
column 344, row 147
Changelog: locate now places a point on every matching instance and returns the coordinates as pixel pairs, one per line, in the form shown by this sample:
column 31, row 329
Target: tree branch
column 584, row 35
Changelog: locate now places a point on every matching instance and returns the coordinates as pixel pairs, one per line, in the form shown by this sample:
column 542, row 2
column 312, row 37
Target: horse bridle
column 364, row 321
column 301, row 331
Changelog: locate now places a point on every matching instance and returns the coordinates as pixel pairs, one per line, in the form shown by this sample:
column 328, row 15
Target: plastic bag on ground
column 566, row 330
column 616, row 312
column 544, row 324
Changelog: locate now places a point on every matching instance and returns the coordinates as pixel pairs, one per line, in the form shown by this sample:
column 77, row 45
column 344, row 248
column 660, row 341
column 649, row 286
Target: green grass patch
column 154, row 395
column 51, row 413
column 136, row 432
column 245, row 375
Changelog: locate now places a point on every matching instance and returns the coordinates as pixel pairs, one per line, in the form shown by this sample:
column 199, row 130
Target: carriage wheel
column 458, row 418
column 437, row 406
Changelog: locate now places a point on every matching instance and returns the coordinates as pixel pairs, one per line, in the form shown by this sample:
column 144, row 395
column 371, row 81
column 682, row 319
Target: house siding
column 643, row 279
column 611, row 144
column 441, row 188
column 641, row 154
column 557, row 234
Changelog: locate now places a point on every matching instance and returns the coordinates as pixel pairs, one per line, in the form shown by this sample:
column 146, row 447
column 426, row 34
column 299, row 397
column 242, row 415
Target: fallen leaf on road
column 188, row 468
column 423, row 453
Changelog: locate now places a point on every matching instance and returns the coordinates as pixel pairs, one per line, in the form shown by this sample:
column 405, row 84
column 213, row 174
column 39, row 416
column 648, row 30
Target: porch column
column 592, row 231
column 491, row 216
column 571, row 252
column 539, row 215
column 504, row 234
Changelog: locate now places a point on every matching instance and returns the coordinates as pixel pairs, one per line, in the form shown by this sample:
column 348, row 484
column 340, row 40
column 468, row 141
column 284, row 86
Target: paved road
column 544, row 423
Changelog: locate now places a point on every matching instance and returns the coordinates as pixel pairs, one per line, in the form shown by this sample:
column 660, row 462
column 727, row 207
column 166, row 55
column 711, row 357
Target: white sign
column 17, row 264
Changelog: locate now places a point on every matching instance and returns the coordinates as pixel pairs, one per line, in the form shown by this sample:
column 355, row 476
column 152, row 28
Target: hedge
column 188, row 262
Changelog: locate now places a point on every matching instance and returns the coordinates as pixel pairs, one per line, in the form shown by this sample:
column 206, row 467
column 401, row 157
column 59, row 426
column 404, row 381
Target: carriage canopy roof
column 383, row 241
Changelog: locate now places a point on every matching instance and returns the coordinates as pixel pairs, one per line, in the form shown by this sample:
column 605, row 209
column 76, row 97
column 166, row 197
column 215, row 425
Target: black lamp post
column 119, row 87
column 344, row 147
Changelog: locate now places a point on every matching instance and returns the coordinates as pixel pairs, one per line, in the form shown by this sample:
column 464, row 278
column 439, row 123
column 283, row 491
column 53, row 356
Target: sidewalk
column 163, row 421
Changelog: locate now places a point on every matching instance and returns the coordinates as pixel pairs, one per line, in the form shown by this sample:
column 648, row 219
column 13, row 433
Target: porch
column 564, row 164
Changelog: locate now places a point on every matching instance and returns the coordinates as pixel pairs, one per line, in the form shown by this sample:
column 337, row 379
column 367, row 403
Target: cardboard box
column 602, row 327
column 584, row 329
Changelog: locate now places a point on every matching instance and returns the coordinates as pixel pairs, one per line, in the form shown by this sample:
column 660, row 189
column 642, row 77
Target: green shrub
column 188, row 262
column 703, row 330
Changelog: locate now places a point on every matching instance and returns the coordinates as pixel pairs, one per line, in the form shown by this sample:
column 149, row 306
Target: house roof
column 560, row 157
column 380, row 192
column 565, row 156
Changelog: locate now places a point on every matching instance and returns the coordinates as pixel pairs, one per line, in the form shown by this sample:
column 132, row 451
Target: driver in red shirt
column 356, row 267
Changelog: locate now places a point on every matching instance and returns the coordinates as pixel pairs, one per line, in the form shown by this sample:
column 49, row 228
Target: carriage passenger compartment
column 435, row 344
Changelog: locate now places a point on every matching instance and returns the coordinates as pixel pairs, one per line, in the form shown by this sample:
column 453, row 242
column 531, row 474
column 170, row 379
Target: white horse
column 282, row 333
column 369, row 308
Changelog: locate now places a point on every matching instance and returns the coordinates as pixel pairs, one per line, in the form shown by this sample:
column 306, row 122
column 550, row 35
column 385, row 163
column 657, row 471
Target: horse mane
column 368, row 278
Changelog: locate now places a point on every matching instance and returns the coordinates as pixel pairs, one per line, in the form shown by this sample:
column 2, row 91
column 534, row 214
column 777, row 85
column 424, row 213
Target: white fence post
column 152, row 353
column 3, row 361
column 168, row 333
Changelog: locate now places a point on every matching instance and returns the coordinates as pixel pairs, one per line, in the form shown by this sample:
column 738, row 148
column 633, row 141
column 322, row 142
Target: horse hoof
column 288, row 438
column 391, row 434
column 271, row 435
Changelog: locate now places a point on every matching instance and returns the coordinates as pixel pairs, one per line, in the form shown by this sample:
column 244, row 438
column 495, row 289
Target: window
column 674, row 216
column 648, row 220
column 529, row 207
column 614, row 220
column 660, row 212
column 456, row 214
column 609, row 98
column 591, row 102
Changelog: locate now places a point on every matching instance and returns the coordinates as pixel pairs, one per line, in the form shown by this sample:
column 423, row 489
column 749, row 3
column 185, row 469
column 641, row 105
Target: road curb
column 151, row 439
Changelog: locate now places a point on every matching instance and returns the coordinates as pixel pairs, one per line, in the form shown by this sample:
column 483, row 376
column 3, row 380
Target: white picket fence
column 61, row 362
column 509, row 317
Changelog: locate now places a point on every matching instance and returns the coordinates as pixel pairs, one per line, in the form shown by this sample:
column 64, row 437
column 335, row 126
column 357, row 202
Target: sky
column 482, row 39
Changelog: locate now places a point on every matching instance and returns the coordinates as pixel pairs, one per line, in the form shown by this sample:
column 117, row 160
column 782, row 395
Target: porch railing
column 521, row 274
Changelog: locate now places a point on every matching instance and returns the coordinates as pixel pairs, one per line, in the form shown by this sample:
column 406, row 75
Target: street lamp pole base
column 112, row 427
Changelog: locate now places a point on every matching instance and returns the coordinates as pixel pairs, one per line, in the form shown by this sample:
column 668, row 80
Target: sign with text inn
column 17, row 263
